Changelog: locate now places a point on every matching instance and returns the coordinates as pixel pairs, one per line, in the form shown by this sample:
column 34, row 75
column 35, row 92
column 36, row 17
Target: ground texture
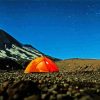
column 15, row 85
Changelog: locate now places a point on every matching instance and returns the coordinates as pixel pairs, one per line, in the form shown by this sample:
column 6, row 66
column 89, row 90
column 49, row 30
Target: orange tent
column 41, row 64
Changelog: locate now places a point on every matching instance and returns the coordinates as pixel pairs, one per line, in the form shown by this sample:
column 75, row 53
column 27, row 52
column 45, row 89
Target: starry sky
column 60, row 28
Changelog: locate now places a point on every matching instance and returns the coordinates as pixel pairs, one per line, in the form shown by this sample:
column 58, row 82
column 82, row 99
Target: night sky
column 60, row 28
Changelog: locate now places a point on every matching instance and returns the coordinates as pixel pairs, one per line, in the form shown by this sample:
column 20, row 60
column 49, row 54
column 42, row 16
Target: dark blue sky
column 60, row 28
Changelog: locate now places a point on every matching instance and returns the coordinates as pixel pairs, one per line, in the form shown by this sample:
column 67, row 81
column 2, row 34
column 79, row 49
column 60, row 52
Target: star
column 97, row 13
column 89, row 6
column 71, row 0
column 87, row 13
column 69, row 16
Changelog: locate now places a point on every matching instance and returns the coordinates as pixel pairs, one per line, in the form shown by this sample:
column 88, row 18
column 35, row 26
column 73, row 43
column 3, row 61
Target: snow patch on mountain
column 11, row 48
column 3, row 54
column 22, row 53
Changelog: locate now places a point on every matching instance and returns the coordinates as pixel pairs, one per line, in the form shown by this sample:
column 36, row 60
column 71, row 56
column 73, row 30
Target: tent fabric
column 41, row 64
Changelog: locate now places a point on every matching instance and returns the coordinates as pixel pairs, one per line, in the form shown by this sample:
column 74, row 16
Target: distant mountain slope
column 6, row 39
column 11, row 48
column 77, row 64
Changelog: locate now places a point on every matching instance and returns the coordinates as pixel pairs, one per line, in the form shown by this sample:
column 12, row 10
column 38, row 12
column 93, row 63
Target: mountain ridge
column 7, row 39
column 13, row 49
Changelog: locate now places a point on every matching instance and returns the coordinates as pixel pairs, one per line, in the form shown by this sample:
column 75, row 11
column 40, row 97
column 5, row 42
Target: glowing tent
column 41, row 64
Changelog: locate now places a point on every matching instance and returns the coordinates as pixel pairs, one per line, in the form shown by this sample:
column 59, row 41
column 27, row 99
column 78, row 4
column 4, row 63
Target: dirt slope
column 79, row 65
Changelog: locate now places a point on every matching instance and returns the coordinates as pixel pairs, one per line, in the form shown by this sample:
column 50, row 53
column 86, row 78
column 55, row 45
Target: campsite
column 49, row 49
column 28, row 74
column 38, row 82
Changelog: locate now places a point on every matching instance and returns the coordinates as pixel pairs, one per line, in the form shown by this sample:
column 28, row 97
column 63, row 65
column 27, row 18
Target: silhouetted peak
column 8, row 40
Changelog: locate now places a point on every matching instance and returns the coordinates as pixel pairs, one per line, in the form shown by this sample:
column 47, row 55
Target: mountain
column 13, row 49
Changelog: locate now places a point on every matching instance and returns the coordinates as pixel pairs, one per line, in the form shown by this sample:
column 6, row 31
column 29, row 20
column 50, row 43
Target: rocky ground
column 15, row 85
column 72, row 65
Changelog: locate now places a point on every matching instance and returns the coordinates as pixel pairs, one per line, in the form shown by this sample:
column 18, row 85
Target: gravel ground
column 15, row 85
